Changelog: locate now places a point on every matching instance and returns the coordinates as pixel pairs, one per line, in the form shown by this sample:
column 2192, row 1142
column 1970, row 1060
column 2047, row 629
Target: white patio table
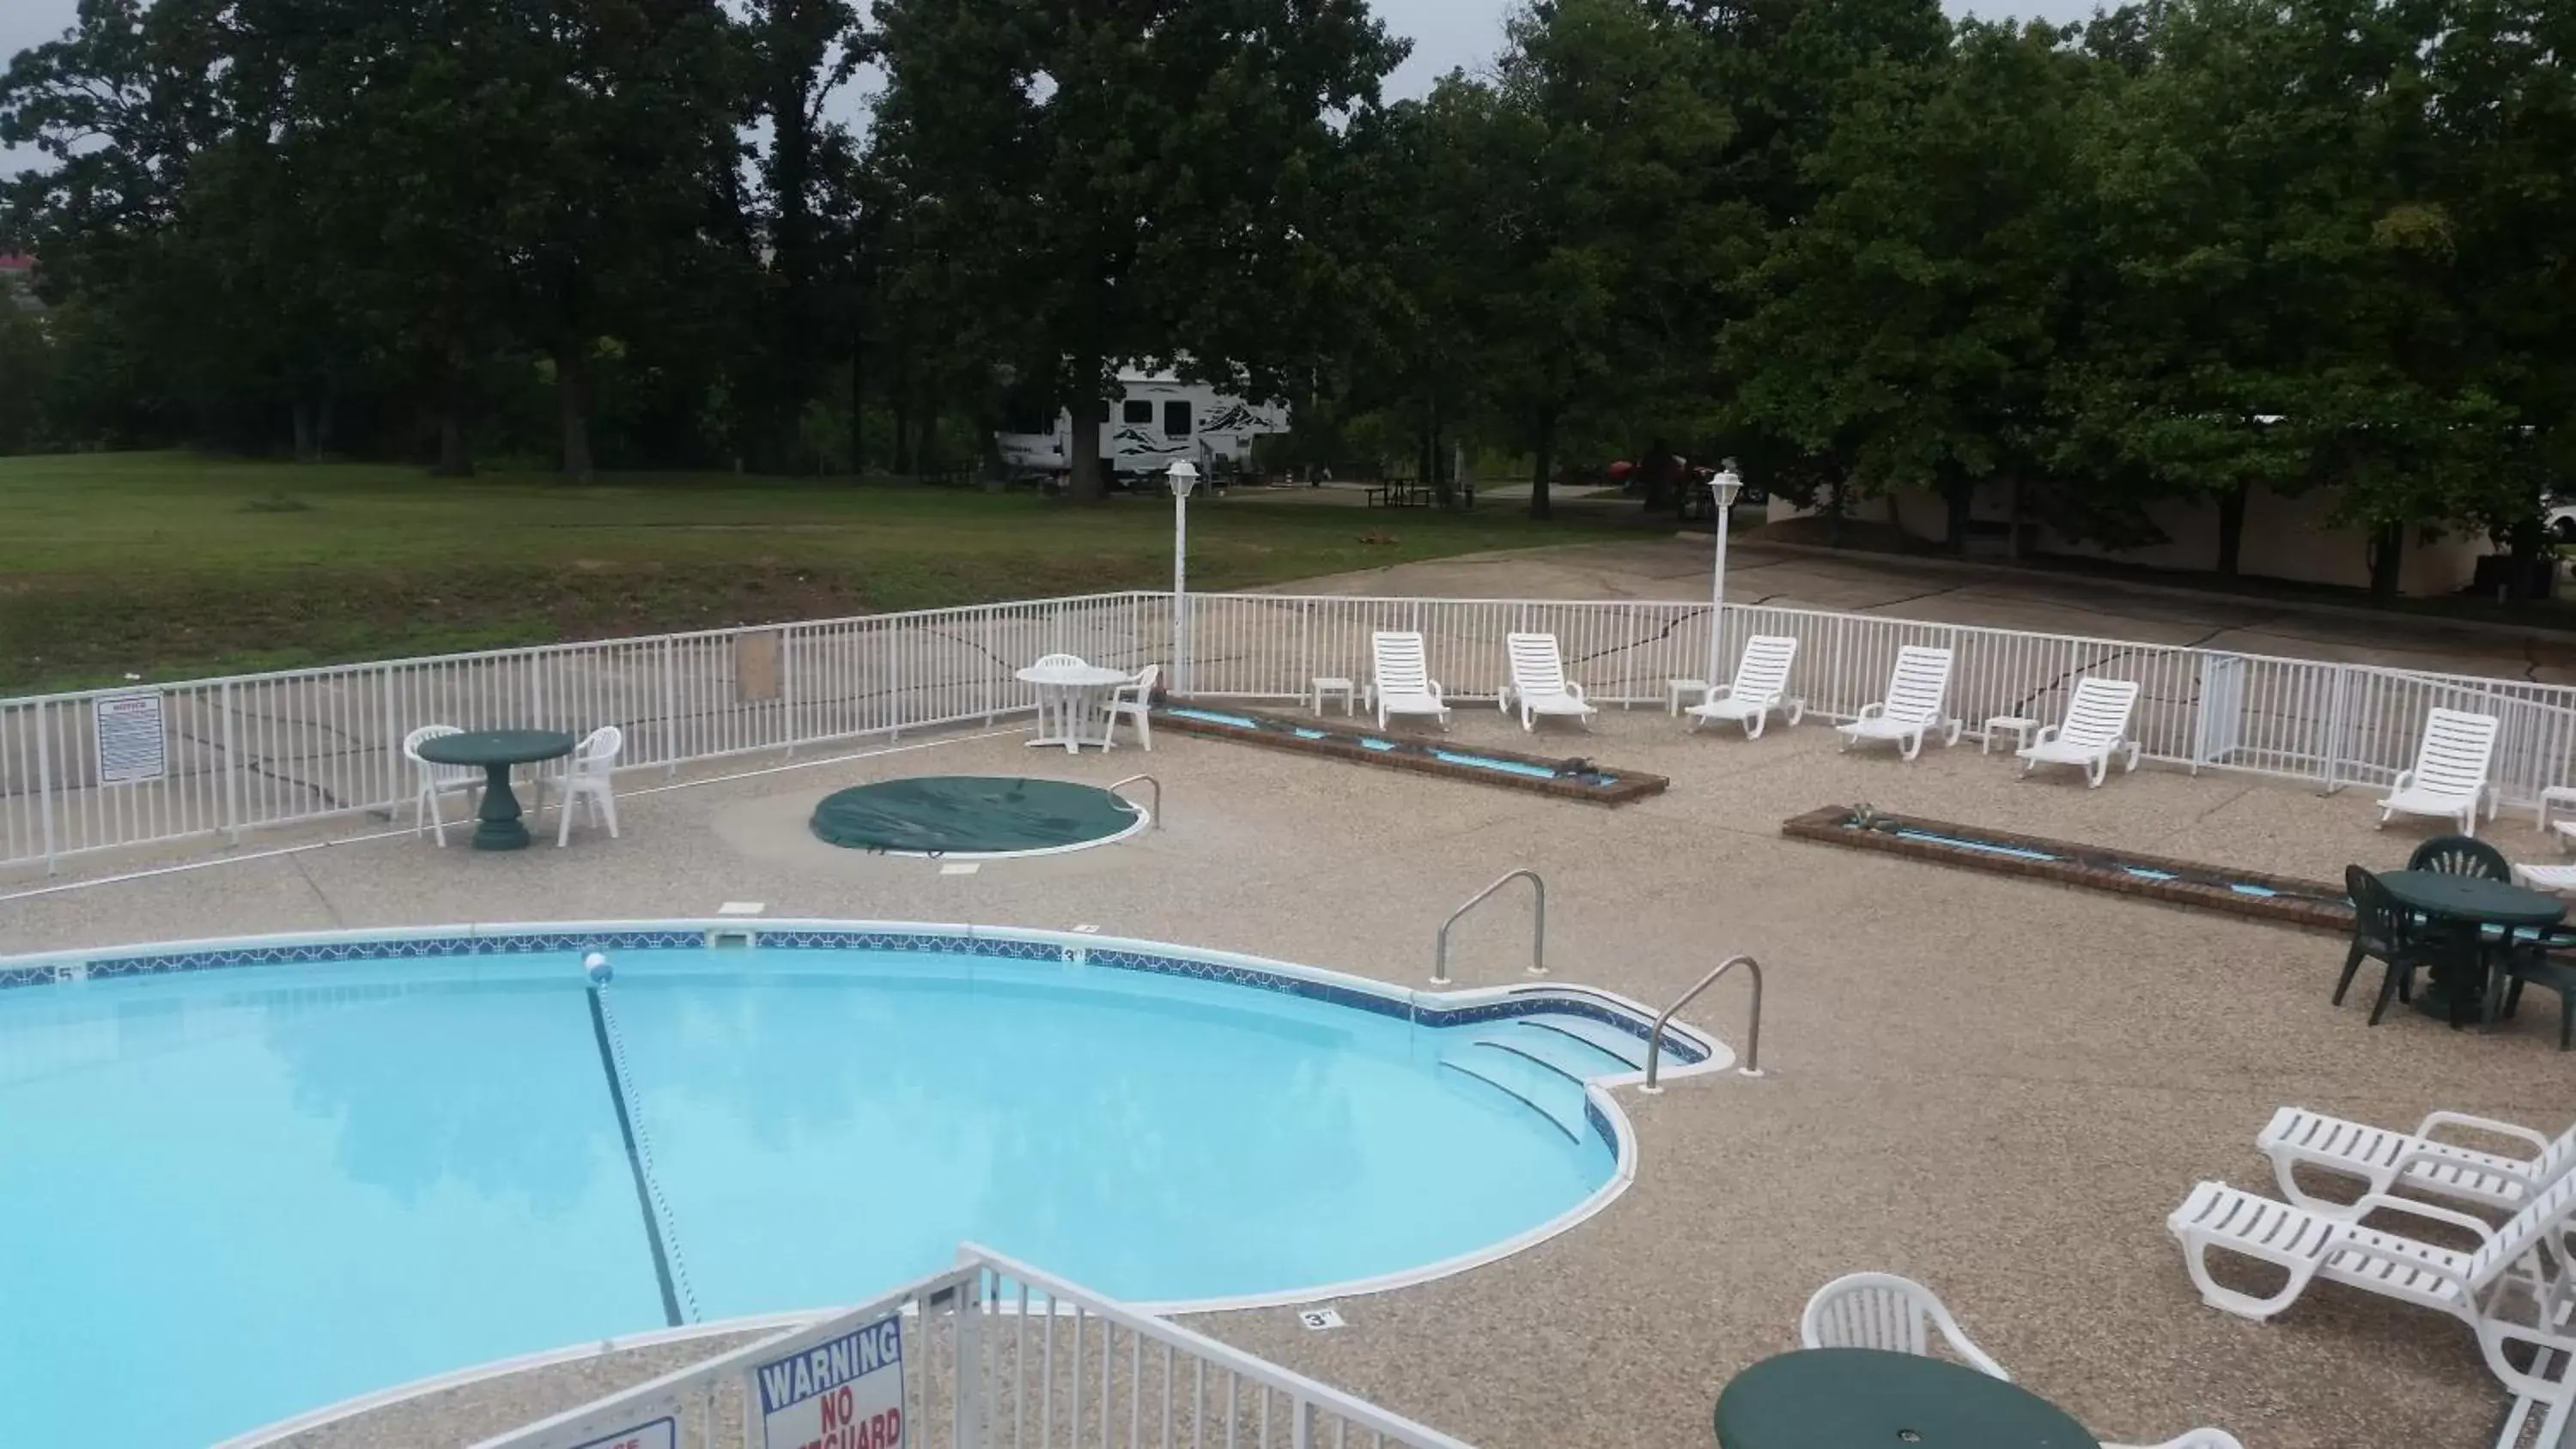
column 1069, row 695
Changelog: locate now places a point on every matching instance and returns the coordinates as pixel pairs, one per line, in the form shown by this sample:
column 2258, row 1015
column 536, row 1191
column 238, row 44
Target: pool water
column 234, row 1196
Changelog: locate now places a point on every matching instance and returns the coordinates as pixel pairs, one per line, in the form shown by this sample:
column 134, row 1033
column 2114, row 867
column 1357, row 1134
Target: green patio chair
column 2460, row 855
column 2380, row 932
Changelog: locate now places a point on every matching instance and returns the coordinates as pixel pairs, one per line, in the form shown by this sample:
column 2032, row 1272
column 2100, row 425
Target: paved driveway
column 1678, row 568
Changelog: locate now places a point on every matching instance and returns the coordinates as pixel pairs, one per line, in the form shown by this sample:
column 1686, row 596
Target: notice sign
column 846, row 1393
column 131, row 742
column 663, row 1433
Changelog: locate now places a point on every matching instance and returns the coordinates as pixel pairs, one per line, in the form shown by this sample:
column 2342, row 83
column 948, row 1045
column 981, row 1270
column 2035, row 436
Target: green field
column 170, row 566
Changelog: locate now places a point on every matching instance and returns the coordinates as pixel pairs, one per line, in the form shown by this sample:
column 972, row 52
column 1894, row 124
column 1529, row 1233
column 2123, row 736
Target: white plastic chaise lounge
column 1539, row 684
column 2523, row 1262
column 2384, row 1158
column 1884, row 1311
column 2096, row 728
column 1401, row 682
column 2195, row 1439
column 1760, row 685
column 2449, row 780
column 1913, row 705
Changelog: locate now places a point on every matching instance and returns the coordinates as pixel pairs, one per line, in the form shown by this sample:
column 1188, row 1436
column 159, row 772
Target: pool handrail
column 1538, row 926
column 1157, row 811
column 1752, row 1021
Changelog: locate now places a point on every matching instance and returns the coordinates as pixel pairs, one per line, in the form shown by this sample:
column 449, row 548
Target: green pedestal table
column 497, row 824
column 2464, row 906
column 1862, row 1398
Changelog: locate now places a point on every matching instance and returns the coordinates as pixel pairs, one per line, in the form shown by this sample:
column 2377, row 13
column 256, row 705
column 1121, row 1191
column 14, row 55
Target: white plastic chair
column 1400, row 680
column 433, row 780
column 1539, row 682
column 2384, row 1157
column 1760, row 685
column 1059, row 661
column 2096, row 728
column 2523, row 1262
column 2196, row 1439
column 1133, row 701
column 1913, row 704
column 589, row 778
column 1884, row 1311
column 2450, row 775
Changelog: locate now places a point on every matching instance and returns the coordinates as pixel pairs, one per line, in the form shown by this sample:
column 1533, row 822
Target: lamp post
column 1185, row 476
column 1722, row 489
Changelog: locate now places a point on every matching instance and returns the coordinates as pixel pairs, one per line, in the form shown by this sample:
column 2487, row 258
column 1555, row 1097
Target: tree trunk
column 2012, row 543
column 454, row 460
column 1958, row 495
column 1087, row 479
column 902, row 433
column 2387, row 560
column 572, row 402
column 304, row 431
column 2231, row 531
column 1545, row 465
column 927, row 445
column 858, row 413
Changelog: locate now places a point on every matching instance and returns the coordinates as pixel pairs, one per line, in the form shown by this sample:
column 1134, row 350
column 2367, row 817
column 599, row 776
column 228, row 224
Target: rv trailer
column 1159, row 422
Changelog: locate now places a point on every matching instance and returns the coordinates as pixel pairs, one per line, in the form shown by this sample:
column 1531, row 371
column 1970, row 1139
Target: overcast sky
column 1446, row 33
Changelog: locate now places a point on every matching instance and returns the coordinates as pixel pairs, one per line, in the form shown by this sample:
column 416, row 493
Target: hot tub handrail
column 1752, row 1021
column 1147, row 780
column 1538, row 926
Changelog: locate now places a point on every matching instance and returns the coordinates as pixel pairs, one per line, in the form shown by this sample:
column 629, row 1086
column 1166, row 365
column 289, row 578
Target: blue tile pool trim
column 69, row 967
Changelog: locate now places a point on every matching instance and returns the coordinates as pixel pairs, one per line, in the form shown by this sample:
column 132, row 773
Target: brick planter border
column 1342, row 742
column 1825, row 826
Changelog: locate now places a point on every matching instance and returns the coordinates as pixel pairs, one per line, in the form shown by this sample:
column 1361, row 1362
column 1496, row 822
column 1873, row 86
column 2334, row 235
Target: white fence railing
column 2326, row 723
column 993, row 1354
column 271, row 749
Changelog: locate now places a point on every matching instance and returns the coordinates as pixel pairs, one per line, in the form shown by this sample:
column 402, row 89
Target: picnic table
column 497, row 823
column 1842, row 1398
column 1068, row 696
column 2465, row 909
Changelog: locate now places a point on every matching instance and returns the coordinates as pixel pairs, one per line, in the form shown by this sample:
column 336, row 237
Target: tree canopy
column 2188, row 251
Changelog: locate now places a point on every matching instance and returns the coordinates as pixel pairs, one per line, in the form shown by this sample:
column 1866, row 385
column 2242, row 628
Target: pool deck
column 1994, row 1085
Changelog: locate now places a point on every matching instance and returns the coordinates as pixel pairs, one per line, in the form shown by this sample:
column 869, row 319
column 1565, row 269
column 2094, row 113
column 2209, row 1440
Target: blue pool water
column 265, row 1189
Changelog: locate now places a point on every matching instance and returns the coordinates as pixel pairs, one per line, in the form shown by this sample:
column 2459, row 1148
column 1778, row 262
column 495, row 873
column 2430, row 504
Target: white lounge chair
column 1539, row 683
column 1884, row 1311
column 1913, row 704
column 2096, row 728
column 2196, row 1439
column 1133, row 702
column 432, row 781
column 2449, row 780
column 1401, row 682
column 2523, row 1263
column 1760, row 685
column 2383, row 1158
column 590, row 778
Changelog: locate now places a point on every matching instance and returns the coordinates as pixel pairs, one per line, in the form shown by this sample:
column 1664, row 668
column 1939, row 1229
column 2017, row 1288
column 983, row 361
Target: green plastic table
column 497, row 751
column 1864, row 1398
column 2469, row 903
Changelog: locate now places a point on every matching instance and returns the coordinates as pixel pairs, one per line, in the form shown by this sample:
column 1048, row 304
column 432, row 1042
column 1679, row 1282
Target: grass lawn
column 171, row 566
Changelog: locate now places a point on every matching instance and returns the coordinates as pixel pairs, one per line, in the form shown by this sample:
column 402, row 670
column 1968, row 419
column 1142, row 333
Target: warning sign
column 131, row 740
column 843, row 1394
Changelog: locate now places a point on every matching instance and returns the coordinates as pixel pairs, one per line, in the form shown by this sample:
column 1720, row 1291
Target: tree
column 1908, row 324
column 1146, row 182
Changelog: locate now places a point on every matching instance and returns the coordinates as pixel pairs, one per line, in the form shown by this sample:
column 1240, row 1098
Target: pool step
column 1540, row 1085
column 1607, row 1048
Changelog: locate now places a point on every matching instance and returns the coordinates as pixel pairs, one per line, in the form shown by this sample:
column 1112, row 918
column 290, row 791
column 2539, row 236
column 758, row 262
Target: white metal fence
column 272, row 749
column 999, row 1355
column 2325, row 723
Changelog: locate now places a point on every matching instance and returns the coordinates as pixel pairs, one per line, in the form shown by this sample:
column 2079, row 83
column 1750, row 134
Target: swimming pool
column 281, row 1174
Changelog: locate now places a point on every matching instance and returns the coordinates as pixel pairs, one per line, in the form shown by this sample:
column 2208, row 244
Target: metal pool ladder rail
column 1146, row 780
column 1538, row 926
column 1752, row 1021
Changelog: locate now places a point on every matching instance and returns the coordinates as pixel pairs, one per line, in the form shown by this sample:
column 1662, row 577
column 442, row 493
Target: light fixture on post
column 1723, row 487
column 1185, row 477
